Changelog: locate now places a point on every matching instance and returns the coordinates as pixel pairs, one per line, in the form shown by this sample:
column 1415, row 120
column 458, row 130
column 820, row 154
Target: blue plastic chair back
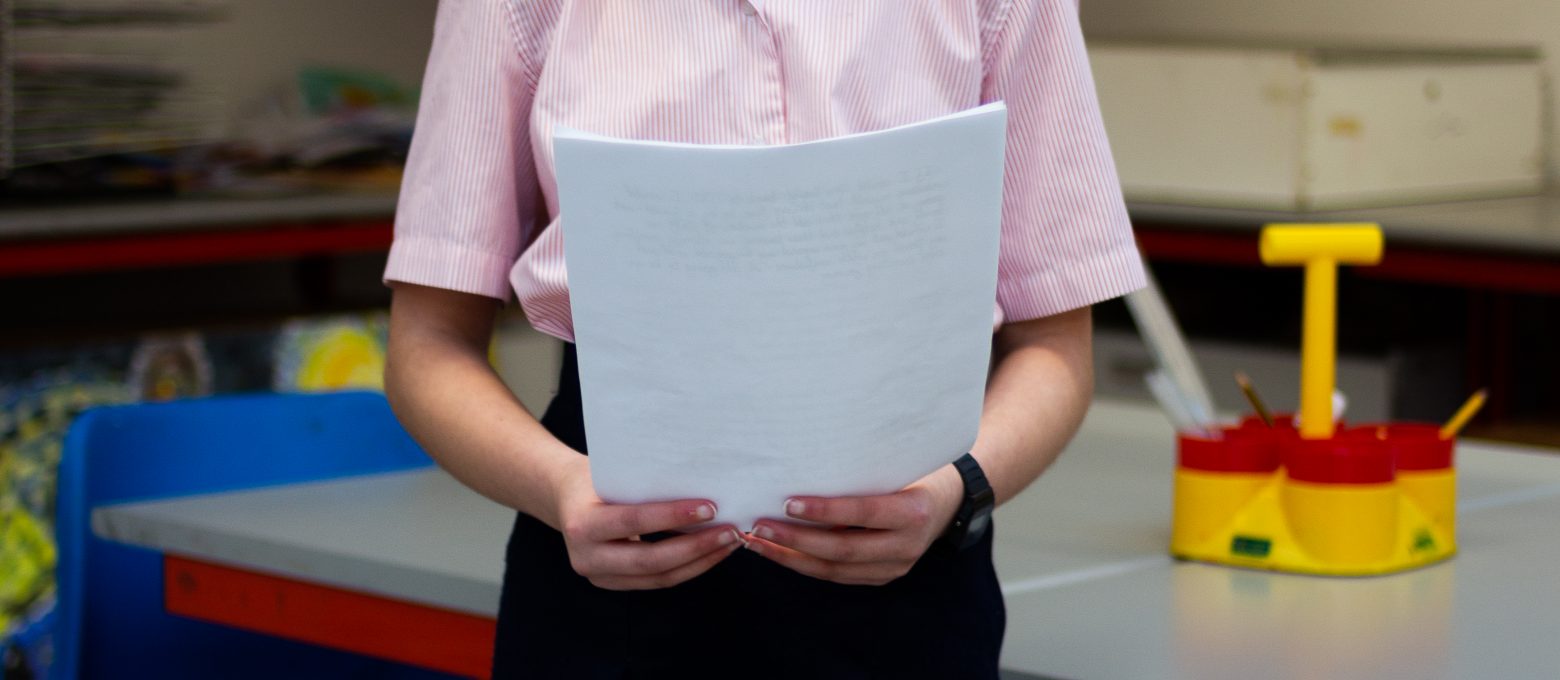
column 110, row 618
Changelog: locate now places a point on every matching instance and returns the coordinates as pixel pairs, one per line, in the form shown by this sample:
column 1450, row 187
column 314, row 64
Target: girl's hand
column 894, row 531
column 604, row 545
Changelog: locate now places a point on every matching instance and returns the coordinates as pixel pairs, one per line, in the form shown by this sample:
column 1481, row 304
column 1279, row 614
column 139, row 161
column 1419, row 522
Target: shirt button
column 748, row 9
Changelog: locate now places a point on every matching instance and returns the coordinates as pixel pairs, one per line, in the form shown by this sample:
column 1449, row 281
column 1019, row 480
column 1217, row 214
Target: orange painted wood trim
column 379, row 627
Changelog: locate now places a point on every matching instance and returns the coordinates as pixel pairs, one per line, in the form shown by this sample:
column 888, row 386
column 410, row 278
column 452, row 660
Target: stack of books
column 88, row 78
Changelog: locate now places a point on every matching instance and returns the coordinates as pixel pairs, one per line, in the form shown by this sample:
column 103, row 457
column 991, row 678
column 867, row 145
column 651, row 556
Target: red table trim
column 379, row 627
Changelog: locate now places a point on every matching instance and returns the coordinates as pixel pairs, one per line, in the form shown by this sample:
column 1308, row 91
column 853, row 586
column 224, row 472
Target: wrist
column 972, row 514
column 947, row 489
column 565, row 479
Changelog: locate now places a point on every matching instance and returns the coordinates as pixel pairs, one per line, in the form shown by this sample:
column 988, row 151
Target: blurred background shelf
column 1528, row 225
column 85, row 78
column 118, row 217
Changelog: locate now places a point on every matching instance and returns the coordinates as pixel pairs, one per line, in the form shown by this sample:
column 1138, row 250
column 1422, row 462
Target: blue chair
column 110, row 618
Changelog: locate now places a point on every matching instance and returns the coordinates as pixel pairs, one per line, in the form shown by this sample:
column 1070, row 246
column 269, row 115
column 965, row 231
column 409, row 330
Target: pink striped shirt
column 478, row 210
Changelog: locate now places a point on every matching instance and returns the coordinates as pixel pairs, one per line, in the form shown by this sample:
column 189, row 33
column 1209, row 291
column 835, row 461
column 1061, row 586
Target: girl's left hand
column 885, row 537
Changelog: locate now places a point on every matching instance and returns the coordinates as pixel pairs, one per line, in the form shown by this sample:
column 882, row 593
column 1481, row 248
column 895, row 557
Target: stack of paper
column 761, row 322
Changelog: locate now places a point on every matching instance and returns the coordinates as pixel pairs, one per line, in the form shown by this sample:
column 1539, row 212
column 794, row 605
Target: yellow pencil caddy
column 1316, row 496
column 1374, row 499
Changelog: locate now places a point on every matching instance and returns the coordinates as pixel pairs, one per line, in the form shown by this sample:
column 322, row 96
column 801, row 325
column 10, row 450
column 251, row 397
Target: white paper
column 755, row 323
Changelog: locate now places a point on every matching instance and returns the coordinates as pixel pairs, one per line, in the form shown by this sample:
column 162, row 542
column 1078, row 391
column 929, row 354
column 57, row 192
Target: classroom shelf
column 138, row 234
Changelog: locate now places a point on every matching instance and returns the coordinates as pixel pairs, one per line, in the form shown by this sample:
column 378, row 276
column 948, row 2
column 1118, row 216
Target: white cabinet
column 1288, row 128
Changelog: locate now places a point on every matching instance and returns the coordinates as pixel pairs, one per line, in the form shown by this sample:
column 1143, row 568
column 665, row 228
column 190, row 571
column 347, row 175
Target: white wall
column 1477, row 22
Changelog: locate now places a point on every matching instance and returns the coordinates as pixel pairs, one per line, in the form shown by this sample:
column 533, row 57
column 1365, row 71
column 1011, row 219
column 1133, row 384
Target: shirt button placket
column 776, row 124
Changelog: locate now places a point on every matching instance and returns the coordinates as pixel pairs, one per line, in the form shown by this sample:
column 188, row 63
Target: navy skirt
column 745, row 618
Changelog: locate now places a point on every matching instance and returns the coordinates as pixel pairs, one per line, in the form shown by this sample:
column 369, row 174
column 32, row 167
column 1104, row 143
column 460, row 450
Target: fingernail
column 729, row 537
column 795, row 507
column 765, row 533
column 705, row 512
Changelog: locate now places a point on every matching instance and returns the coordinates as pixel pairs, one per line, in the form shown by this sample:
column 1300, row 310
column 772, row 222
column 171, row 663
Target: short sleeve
column 469, row 193
column 1066, row 238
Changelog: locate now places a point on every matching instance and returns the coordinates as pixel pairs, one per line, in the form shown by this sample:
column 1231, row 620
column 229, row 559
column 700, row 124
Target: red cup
column 1242, row 449
column 1342, row 459
column 1414, row 446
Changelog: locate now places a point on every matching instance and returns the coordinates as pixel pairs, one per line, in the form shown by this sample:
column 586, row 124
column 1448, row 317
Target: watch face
column 979, row 522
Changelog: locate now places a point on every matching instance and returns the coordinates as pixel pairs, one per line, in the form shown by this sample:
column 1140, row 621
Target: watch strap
column 972, row 517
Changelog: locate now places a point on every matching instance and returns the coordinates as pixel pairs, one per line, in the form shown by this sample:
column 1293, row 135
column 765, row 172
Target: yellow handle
column 1293, row 244
column 1321, row 248
column 1318, row 352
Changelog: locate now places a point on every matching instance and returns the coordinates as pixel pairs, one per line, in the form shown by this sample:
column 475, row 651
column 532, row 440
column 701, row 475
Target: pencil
column 1251, row 396
column 1463, row 415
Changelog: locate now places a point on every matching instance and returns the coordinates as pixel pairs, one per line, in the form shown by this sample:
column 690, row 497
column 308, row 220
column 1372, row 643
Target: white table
column 1091, row 593
column 1082, row 558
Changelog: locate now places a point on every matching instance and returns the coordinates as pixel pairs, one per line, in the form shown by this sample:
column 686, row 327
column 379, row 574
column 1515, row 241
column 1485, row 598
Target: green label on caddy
column 1250, row 546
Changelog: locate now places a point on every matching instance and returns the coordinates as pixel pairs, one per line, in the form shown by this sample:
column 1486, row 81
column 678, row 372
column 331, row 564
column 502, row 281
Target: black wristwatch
column 974, row 514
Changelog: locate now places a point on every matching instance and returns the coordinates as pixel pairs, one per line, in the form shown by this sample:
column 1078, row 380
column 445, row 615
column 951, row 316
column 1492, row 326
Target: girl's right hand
column 604, row 545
